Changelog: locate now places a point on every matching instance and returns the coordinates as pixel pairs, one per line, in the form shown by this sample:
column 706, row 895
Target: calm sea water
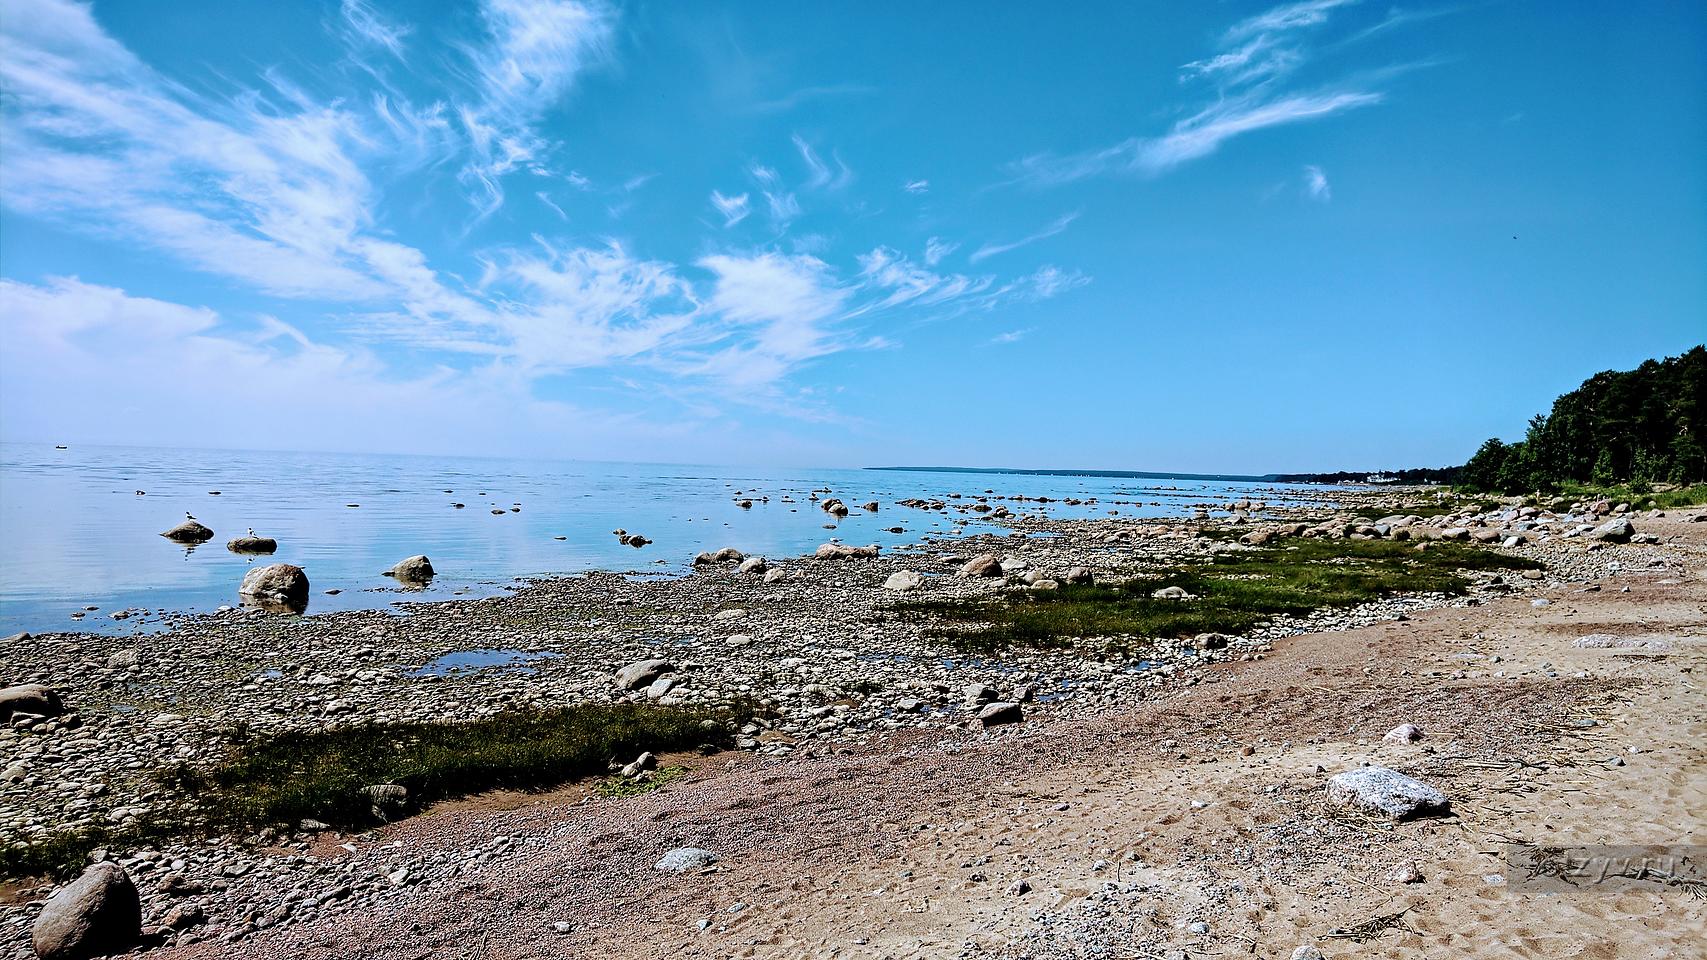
column 80, row 527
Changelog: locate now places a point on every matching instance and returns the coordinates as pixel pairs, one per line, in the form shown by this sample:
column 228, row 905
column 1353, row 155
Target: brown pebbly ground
column 1130, row 829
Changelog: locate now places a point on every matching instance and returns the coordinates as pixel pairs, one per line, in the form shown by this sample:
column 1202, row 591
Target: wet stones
column 725, row 555
column 97, row 915
column 252, row 544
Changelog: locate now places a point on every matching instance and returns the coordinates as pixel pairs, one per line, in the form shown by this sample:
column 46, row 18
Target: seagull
column 188, row 515
column 251, row 531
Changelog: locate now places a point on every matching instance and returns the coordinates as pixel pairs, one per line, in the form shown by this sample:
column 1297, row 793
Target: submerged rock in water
column 190, row 531
column 252, row 544
column 280, row 586
column 97, row 915
column 416, row 569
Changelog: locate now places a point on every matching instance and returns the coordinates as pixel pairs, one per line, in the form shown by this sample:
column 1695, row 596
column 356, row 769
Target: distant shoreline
column 1341, row 479
column 1127, row 474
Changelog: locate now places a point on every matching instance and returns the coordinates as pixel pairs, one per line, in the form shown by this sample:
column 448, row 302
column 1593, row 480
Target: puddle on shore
column 470, row 661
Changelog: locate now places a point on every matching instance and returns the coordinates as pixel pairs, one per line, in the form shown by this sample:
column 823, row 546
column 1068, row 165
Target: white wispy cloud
column 340, row 397
column 1049, row 282
column 1248, row 74
column 789, row 303
column 1011, row 336
column 819, row 174
column 1316, row 183
column 784, row 208
column 1058, row 225
column 908, row 283
column 1192, row 138
column 93, row 135
column 363, row 26
column 532, row 53
column 917, row 186
column 551, row 204
column 734, row 209
column 808, row 94
column 278, row 192
column 1291, row 16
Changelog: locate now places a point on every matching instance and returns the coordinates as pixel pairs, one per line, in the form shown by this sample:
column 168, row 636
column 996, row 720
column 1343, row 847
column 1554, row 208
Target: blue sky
column 1194, row 236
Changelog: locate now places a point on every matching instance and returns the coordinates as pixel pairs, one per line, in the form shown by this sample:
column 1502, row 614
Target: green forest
column 1637, row 427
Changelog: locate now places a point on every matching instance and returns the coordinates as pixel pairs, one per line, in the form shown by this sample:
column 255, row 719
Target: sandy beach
column 1187, row 818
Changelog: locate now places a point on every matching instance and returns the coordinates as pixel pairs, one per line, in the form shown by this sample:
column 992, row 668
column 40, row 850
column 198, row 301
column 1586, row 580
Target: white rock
column 1386, row 792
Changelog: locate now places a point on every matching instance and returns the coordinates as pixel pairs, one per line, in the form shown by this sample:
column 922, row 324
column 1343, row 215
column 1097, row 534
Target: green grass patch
column 1425, row 509
column 1639, row 497
column 1234, row 592
column 320, row 774
column 280, row 779
column 617, row 787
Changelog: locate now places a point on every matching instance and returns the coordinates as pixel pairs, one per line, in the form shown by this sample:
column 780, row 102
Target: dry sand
column 911, row 847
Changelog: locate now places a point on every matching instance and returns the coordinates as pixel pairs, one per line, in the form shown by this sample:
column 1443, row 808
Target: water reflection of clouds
column 73, row 531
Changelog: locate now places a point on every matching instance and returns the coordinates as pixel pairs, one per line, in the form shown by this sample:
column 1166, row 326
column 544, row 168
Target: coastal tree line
column 1636, row 427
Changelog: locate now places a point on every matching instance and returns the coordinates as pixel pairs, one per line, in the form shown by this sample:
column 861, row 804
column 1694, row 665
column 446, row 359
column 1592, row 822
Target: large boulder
column 276, row 585
column 97, row 915
column 841, row 551
column 904, row 581
column 1386, row 792
column 31, row 698
column 641, row 674
column 998, row 713
column 1618, row 530
column 983, row 565
column 416, row 569
column 189, row 532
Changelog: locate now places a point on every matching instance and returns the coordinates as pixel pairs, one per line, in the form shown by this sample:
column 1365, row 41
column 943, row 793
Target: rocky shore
column 815, row 641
